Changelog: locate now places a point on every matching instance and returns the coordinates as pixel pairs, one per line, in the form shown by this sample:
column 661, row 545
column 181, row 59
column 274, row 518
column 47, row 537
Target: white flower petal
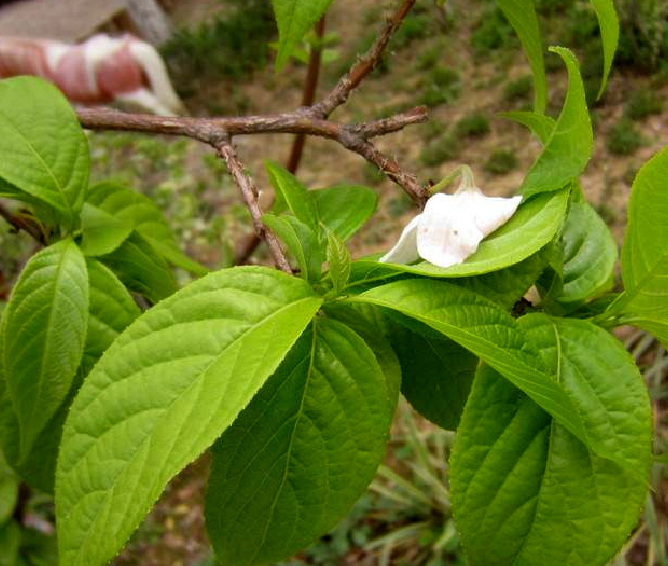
column 447, row 234
column 405, row 250
column 492, row 212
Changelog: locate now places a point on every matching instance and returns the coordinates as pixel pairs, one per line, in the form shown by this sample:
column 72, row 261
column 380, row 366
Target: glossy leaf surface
column 203, row 352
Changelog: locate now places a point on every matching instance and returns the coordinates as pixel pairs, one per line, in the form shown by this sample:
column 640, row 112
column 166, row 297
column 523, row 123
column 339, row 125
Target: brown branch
column 249, row 193
column 365, row 64
column 21, row 223
column 308, row 95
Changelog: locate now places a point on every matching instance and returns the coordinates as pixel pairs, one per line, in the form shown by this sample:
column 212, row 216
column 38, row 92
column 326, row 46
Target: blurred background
column 463, row 61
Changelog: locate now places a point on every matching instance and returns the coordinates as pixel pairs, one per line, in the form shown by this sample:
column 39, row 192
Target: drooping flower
column 451, row 227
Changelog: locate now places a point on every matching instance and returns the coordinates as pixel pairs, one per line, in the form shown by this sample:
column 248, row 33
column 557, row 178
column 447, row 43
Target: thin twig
column 21, row 223
column 249, row 193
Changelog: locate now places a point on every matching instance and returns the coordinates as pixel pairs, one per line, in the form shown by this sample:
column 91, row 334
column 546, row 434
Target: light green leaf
column 645, row 251
column 141, row 214
column 526, row 491
column 609, row 24
column 43, row 333
column 339, row 263
column 102, row 232
column 522, row 16
column 44, row 150
column 589, row 255
column 9, row 490
column 344, row 209
column 111, row 309
column 141, row 269
column 297, row 197
column 10, row 541
column 295, row 18
column 436, row 374
column 162, row 393
column 300, row 455
column 300, row 240
column 570, row 146
column 490, row 333
column 533, row 225
column 540, row 125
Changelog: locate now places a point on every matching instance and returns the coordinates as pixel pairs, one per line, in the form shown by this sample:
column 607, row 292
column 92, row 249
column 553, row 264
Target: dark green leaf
column 102, row 232
column 43, row 332
column 141, row 269
column 44, row 150
column 301, row 454
column 162, row 393
column 526, row 491
column 295, row 18
column 344, row 209
column 570, row 146
column 9, row 490
column 523, row 18
column 10, row 541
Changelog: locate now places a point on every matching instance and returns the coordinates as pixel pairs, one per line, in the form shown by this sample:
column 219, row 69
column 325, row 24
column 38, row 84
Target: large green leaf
column 344, row 209
column 533, row 225
column 300, row 455
column 645, row 250
column 295, row 18
column 522, row 16
column 609, row 24
column 109, row 201
column 43, row 333
column 569, row 148
column 102, row 232
column 524, row 490
column 141, row 268
column 162, row 393
column 9, row 490
column 111, row 309
column 10, row 541
column 436, row 374
column 44, row 150
column 589, row 255
column 490, row 333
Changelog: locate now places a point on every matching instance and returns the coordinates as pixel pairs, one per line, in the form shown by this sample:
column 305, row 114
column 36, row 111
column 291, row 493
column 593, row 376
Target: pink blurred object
column 102, row 70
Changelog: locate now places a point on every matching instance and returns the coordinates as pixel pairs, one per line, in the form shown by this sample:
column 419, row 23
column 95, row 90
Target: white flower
column 451, row 227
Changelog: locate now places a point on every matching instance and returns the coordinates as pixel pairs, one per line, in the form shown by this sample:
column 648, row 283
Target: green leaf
column 141, row 269
column 9, row 490
column 102, row 232
column 297, row 197
column 140, row 213
column 44, row 150
column 436, row 374
column 533, row 225
column 522, row 485
column 522, row 16
column 490, row 333
column 300, row 240
column 43, row 333
column 645, row 251
column 540, row 125
column 162, row 393
column 299, row 456
column 10, row 541
column 570, row 146
column 344, row 209
column 339, row 263
column 111, row 309
column 609, row 24
column 295, row 18
column 589, row 255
